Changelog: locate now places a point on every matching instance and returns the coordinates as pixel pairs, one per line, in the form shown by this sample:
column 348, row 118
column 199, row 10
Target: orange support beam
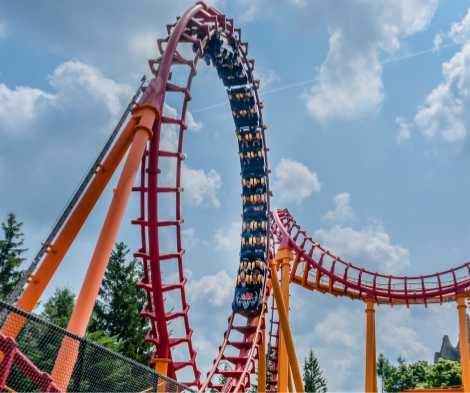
column 67, row 235
column 283, row 258
column 284, row 323
column 371, row 368
column 464, row 350
column 78, row 323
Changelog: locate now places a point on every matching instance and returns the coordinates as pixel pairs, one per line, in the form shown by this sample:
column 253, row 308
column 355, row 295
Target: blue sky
column 368, row 111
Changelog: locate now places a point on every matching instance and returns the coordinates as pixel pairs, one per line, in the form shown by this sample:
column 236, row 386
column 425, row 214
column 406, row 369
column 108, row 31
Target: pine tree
column 59, row 307
column 314, row 381
column 10, row 256
column 117, row 309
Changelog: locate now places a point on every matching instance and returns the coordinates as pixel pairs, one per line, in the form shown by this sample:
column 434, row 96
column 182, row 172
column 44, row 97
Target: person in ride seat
column 255, row 279
column 245, row 268
column 241, row 281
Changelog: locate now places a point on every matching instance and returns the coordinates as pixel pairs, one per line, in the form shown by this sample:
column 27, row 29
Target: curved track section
column 317, row 268
column 210, row 35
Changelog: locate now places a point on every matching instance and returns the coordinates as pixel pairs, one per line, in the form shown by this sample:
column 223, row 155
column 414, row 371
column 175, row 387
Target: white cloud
column 200, row 187
column 216, row 289
column 446, row 111
column 404, row 132
column 343, row 210
column 83, row 86
column 335, row 328
column 350, row 79
column 228, row 239
column 369, row 246
column 459, row 32
column 294, row 181
column 80, row 88
column 191, row 123
column 394, row 334
column 20, row 106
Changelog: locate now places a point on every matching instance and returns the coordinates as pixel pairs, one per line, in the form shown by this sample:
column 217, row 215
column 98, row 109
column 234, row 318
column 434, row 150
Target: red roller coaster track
column 198, row 18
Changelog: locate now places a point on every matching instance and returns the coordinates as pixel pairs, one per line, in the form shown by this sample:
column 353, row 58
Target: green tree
column 314, row 381
column 59, row 307
column 117, row 309
column 443, row 373
column 10, row 255
column 384, row 368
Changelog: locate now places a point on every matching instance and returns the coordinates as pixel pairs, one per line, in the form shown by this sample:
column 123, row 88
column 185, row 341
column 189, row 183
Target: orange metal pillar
column 284, row 256
column 66, row 236
column 371, row 373
column 284, row 323
column 464, row 350
column 78, row 323
column 161, row 367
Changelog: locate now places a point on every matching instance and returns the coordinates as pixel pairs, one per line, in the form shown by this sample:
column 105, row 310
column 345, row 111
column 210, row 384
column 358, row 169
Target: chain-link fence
column 27, row 363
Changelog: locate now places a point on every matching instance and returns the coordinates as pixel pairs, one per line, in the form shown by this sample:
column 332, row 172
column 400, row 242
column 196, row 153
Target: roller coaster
column 271, row 240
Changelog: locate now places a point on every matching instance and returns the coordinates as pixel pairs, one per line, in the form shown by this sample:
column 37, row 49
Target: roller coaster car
column 241, row 95
column 252, row 164
column 234, row 76
column 253, row 182
column 256, row 208
column 244, row 115
column 254, row 226
column 253, row 247
column 249, row 138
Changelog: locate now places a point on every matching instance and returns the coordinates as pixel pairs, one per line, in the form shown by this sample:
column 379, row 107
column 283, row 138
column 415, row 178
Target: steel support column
column 371, row 373
column 464, row 350
column 78, row 323
column 284, row 323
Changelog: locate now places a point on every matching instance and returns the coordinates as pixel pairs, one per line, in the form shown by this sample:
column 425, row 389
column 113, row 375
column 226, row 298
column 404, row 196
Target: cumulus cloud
column 395, row 334
column 20, row 106
column 228, row 239
column 343, row 210
column 200, row 187
column 445, row 112
column 404, row 132
column 369, row 246
column 216, row 289
column 294, row 181
column 350, row 79
column 459, row 32
column 335, row 329
column 79, row 88
column 191, row 123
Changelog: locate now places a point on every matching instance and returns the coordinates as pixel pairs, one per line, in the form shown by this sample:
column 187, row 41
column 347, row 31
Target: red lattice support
column 12, row 356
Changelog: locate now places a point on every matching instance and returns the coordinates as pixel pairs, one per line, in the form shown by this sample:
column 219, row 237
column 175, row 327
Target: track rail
column 317, row 268
column 195, row 27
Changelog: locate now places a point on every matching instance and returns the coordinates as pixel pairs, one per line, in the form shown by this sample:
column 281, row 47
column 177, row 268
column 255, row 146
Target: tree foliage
column 420, row 374
column 117, row 309
column 444, row 373
column 59, row 307
column 314, row 381
column 10, row 255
